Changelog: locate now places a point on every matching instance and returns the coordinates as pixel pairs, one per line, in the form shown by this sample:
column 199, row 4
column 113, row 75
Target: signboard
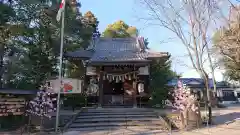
column 11, row 106
column 143, row 70
column 72, row 86
column 69, row 85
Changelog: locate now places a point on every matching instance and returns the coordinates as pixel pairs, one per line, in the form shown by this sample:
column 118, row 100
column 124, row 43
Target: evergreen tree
column 120, row 29
column 39, row 41
column 6, row 30
column 161, row 74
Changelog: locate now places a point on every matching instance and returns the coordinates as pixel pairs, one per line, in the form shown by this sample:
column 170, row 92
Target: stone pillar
column 100, row 85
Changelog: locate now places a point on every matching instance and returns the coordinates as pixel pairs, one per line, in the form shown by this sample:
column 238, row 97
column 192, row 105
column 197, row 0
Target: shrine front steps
column 114, row 118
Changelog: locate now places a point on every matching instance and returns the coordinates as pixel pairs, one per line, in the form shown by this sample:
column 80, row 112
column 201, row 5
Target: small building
column 13, row 103
column 117, row 70
column 225, row 92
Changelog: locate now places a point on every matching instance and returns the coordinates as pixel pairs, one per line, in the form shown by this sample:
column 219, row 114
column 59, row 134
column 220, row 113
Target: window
column 228, row 95
column 238, row 95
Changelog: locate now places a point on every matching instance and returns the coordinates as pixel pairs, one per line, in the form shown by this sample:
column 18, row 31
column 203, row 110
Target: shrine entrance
column 120, row 85
column 113, row 93
column 118, row 89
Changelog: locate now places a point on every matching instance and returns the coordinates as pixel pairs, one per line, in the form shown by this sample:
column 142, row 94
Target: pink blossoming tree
column 185, row 103
column 44, row 104
column 183, row 99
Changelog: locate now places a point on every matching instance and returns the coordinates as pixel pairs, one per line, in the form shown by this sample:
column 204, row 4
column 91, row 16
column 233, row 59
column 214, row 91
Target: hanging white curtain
column 140, row 87
column 91, row 71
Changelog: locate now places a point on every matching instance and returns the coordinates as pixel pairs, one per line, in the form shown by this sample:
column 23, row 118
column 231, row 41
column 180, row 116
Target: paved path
column 230, row 129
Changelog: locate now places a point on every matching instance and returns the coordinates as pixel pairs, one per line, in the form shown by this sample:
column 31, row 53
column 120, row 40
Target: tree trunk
column 213, row 74
column 190, row 119
column 182, row 119
column 208, row 101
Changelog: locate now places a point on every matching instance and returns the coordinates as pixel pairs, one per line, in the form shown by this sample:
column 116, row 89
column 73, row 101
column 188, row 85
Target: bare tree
column 227, row 44
column 190, row 21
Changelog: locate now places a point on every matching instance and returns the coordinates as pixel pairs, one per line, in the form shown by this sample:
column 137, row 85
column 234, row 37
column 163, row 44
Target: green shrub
column 74, row 100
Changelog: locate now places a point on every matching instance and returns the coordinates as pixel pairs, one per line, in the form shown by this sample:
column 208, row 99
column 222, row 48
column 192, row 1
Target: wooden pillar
column 100, row 85
column 84, row 84
column 134, row 90
column 134, row 94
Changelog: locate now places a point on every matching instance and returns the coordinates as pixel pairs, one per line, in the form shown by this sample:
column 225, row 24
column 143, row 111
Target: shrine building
column 117, row 70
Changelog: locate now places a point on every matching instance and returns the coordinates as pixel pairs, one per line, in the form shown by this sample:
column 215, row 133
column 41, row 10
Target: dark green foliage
column 75, row 100
column 161, row 74
column 6, row 16
column 75, row 68
column 36, row 39
column 6, row 12
column 11, row 123
column 38, row 57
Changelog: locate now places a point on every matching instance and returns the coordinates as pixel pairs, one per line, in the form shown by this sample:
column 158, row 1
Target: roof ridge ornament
column 141, row 44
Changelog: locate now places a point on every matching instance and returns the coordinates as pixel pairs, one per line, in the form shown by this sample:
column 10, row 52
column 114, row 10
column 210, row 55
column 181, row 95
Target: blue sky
column 109, row 11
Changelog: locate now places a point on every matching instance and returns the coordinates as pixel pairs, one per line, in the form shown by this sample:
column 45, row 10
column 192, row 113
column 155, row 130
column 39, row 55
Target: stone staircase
column 114, row 118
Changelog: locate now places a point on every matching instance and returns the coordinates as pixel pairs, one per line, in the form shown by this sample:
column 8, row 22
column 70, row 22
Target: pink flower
column 182, row 98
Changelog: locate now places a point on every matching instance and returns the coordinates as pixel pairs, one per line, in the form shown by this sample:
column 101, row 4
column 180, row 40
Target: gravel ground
column 226, row 129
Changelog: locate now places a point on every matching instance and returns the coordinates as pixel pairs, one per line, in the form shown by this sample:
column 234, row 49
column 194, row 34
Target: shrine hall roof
column 106, row 50
column 17, row 91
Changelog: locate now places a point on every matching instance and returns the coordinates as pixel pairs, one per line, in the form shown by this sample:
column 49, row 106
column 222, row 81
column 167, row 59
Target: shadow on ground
column 226, row 118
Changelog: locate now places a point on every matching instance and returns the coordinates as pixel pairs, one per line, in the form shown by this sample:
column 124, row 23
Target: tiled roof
column 18, row 91
column 120, row 49
column 109, row 56
column 116, row 50
column 80, row 54
column 188, row 81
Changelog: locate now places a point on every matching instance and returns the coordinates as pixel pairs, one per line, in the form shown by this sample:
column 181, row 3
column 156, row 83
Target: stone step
column 119, row 106
column 115, row 119
column 93, row 128
column 119, row 110
column 109, row 128
column 115, row 113
column 107, row 124
column 126, row 111
column 116, row 116
column 111, row 118
column 80, row 125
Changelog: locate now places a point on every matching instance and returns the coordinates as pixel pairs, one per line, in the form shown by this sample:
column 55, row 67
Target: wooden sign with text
column 11, row 106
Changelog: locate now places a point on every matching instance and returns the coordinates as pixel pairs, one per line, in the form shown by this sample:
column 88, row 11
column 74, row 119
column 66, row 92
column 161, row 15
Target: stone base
column 178, row 123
